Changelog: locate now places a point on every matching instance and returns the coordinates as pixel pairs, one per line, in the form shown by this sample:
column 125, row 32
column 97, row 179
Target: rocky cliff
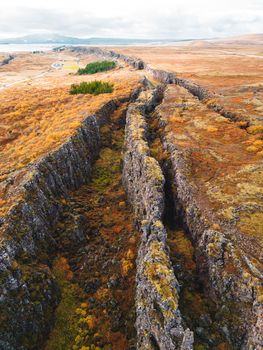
column 159, row 323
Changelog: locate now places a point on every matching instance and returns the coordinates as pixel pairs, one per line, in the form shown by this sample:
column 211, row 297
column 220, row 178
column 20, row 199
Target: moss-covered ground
column 96, row 265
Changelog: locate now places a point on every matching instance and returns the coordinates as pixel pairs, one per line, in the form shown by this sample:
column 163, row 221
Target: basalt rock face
column 28, row 291
column 159, row 323
column 231, row 275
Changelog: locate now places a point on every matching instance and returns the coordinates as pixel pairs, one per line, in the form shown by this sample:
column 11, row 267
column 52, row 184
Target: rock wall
column 171, row 78
column 159, row 323
column 28, row 291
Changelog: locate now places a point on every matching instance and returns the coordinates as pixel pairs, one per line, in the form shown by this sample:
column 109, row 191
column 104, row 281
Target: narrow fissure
column 95, row 266
column 198, row 311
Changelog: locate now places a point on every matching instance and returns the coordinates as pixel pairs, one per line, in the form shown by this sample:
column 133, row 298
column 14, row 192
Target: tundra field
column 132, row 218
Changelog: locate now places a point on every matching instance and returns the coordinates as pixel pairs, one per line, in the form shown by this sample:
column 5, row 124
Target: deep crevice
column 95, row 263
column 199, row 311
column 154, row 343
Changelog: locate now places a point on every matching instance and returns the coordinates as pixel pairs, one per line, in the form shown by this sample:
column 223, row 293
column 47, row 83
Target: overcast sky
column 169, row 19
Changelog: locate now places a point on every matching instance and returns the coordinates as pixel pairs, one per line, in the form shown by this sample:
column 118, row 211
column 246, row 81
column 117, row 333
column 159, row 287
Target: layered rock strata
column 159, row 323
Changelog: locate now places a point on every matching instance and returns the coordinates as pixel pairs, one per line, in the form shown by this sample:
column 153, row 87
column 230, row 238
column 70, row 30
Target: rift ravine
column 95, row 257
column 95, row 266
column 199, row 312
column 29, row 291
column 158, row 320
column 95, row 260
column 97, row 307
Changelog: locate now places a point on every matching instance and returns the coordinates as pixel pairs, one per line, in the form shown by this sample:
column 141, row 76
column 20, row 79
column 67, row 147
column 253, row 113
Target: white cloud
column 136, row 18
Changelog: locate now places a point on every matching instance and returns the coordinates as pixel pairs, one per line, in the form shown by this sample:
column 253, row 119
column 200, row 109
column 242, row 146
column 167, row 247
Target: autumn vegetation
column 37, row 120
column 96, row 67
column 234, row 75
column 93, row 88
column 86, row 319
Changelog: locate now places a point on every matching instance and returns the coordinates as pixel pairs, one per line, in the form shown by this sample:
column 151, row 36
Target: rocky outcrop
column 159, row 323
column 7, row 60
column 28, row 291
column 171, row 78
column 196, row 90
column 132, row 61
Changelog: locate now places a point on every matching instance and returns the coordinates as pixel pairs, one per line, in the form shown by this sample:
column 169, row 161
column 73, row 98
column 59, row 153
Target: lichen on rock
column 159, row 323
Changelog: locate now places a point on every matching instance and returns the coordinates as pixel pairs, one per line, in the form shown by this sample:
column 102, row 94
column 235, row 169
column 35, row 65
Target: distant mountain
column 68, row 40
column 201, row 43
column 43, row 39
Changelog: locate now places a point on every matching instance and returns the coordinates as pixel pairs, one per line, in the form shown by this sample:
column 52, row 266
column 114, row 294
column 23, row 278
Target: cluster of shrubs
column 95, row 67
column 93, row 87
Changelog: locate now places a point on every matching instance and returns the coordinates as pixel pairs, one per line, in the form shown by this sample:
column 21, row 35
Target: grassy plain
column 232, row 69
column 38, row 114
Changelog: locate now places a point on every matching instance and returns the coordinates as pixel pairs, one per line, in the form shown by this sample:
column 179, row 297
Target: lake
column 27, row 47
column 47, row 47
